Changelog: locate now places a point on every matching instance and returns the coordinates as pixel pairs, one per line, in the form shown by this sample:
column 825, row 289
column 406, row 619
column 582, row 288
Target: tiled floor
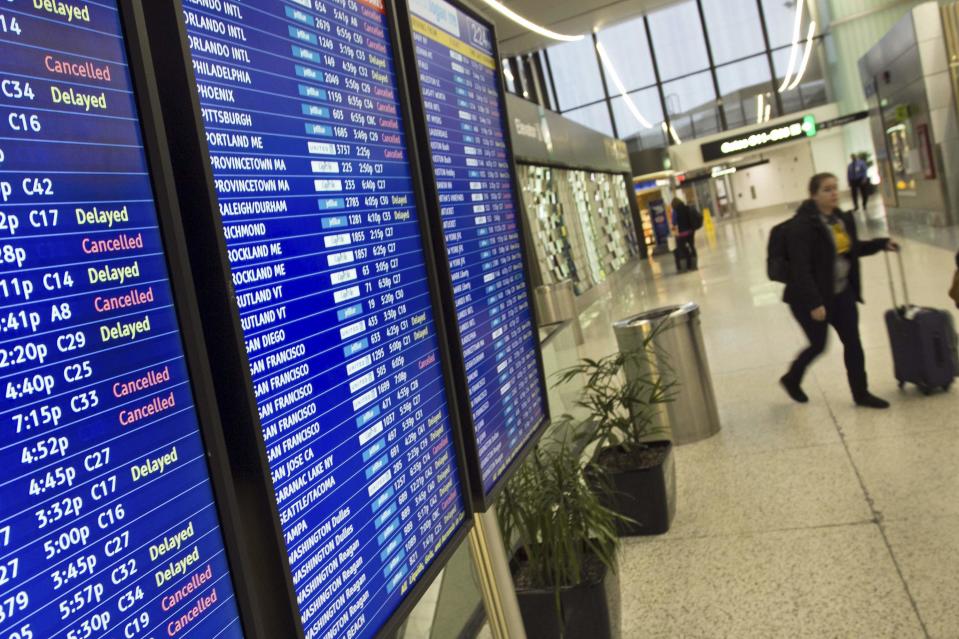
column 797, row 521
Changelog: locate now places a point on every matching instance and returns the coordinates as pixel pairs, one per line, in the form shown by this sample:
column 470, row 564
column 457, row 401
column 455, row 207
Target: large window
column 734, row 29
column 691, row 102
column 740, row 84
column 663, row 60
column 678, row 40
column 508, row 77
column 628, row 50
column 549, row 86
column 648, row 104
column 780, row 21
column 812, row 88
column 575, row 73
column 595, row 116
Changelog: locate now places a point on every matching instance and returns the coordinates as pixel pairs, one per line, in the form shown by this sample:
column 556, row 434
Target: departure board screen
column 108, row 526
column 478, row 207
column 302, row 118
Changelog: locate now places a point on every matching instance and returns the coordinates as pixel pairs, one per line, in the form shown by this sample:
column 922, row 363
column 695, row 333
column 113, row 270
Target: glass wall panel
column 734, row 29
column 508, row 77
column 576, row 72
column 595, row 116
column 739, row 84
column 678, row 40
column 528, row 72
column 548, row 87
column 691, row 102
column 780, row 21
column 811, row 90
column 628, row 49
column 648, row 104
column 676, row 37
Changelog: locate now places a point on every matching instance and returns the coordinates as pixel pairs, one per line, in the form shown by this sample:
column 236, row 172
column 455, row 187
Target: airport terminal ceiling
column 566, row 17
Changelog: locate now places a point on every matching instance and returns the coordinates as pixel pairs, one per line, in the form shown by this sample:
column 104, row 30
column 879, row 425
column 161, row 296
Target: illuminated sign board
column 759, row 139
column 480, row 214
column 303, row 122
column 108, row 524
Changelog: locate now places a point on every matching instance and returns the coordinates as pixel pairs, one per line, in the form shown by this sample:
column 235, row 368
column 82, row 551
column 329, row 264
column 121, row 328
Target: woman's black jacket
column 812, row 258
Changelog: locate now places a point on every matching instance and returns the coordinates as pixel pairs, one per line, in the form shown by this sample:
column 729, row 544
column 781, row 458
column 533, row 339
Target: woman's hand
column 892, row 246
column 819, row 314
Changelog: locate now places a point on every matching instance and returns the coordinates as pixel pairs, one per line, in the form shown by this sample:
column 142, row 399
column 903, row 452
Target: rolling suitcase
column 923, row 341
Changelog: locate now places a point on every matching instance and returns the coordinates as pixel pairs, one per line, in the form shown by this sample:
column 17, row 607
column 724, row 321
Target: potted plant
column 564, row 568
column 622, row 396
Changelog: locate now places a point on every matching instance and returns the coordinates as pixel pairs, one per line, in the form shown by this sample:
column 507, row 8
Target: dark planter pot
column 591, row 609
column 646, row 493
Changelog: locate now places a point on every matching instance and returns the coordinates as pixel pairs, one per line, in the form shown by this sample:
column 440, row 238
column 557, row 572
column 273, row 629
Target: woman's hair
column 676, row 203
column 815, row 183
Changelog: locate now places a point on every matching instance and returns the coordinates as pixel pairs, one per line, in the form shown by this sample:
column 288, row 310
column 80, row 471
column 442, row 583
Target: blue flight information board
column 108, row 526
column 465, row 118
column 301, row 111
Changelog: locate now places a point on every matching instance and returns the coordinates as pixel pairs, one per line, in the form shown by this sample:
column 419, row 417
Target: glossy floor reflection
column 797, row 521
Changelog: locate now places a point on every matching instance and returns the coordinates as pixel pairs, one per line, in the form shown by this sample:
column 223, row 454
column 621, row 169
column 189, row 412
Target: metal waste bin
column 555, row 303
column 679, row 353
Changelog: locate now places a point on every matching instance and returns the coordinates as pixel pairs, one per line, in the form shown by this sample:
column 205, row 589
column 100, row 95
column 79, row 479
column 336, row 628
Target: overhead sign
column 542, row 137
column 843, row 120
column 762, row 138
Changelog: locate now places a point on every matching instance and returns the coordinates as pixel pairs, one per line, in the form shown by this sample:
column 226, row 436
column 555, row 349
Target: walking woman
column 824, row 285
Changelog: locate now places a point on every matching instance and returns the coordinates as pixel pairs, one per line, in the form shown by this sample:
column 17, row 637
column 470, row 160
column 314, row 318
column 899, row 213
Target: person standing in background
column 685, row 231
column 857, row 174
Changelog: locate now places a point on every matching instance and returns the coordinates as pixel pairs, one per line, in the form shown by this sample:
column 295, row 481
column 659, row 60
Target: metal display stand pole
column 492, row 566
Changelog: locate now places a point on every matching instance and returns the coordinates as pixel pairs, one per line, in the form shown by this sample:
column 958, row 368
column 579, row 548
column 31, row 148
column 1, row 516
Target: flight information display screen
column 108, row 526
column 478, row 207
column 302, row 118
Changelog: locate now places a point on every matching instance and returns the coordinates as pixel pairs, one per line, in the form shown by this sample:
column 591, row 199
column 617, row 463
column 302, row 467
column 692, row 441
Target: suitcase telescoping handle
column 892, row 280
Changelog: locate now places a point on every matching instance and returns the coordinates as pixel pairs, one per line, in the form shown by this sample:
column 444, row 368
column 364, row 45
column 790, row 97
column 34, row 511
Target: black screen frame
column 185, row 303
column 485, row 501
column 221, row 324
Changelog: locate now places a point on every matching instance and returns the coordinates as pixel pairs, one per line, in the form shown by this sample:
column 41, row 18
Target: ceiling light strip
column 794, row 50
column 532, row 26
column 806, row 55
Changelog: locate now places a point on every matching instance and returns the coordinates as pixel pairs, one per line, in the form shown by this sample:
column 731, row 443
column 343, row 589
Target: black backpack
column 695, row 218
column 777, row 252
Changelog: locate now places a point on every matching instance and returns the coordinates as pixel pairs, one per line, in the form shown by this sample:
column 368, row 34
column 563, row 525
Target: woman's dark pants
column 843, row 315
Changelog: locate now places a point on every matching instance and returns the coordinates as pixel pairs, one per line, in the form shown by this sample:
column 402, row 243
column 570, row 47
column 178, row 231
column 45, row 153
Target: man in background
column 857, row 174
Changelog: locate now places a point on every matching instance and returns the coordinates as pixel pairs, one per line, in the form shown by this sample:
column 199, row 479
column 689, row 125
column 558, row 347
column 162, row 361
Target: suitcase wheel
column 925, row 390
column 902, row 384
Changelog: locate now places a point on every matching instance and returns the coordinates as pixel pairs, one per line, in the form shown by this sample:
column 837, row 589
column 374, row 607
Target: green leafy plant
column 622, row 396
column 557, row 518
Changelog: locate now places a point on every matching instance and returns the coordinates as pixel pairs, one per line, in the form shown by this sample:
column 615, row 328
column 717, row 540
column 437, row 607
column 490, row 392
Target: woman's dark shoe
column 869, row 400
column 794, row 390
